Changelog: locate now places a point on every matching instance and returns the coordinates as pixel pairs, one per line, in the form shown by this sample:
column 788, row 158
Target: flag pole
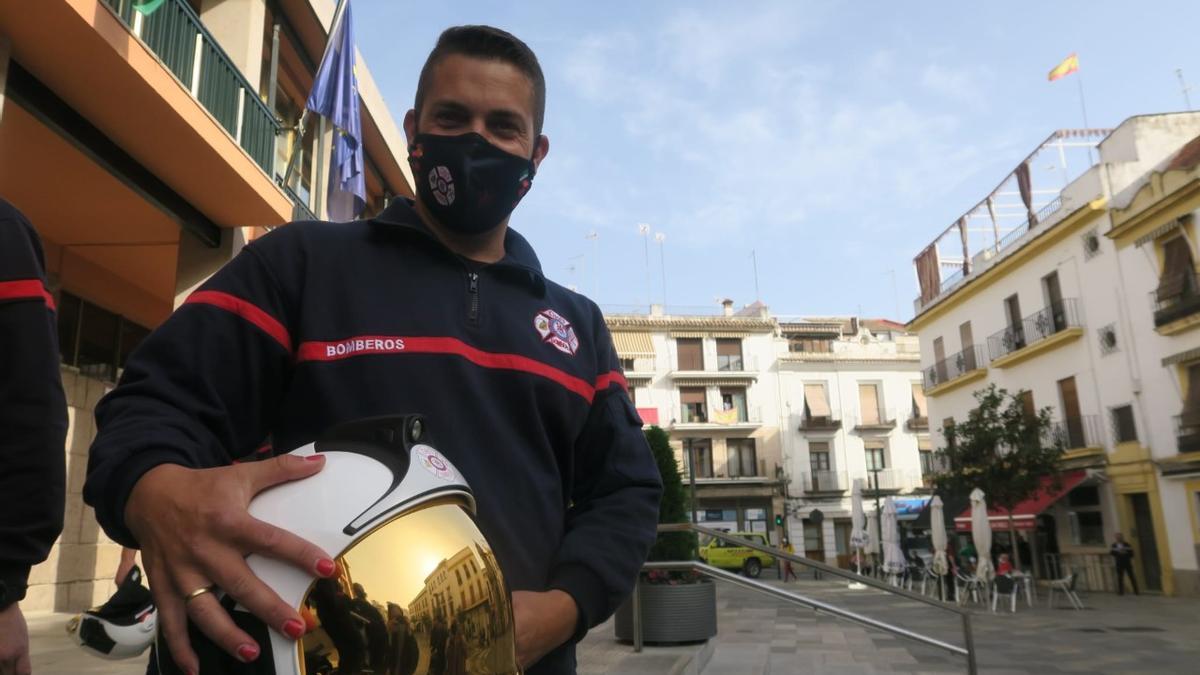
column 1083, row 107
column 302, row 122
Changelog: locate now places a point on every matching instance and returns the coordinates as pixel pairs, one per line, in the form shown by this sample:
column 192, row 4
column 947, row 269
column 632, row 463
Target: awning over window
column 918, row 395
column 814, row 398
column 1025, row 514
column 633, row 345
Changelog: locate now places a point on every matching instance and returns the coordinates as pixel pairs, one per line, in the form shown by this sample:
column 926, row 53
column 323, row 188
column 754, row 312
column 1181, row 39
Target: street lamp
column 874, row 470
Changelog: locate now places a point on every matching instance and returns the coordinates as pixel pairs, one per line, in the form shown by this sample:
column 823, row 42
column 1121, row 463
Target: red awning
column 1025, row 514
column 648, row 415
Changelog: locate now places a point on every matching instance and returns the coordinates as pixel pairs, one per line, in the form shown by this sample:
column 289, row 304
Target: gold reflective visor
column 420, row 593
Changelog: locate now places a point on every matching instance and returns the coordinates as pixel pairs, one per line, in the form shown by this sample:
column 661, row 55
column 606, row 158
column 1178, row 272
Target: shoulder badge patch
column 556, row 331
column 433, row 462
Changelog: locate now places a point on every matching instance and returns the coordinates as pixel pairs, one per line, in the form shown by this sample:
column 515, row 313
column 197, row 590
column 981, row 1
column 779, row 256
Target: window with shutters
column 1188, row 422
column 690, row 352
column 701, row 449
column 741, row 459
column 876, row 458
column 868, row 404
column 816, row 406
column 1178, row 293
column 920, row 412
column 694, row 410
column 729, row 354
column 733, row 405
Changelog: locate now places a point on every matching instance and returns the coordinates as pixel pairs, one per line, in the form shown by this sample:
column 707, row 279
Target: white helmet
column 418, row 588
column 121, row 628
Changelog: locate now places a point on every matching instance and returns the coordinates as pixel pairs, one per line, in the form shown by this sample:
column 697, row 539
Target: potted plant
column 675, row 606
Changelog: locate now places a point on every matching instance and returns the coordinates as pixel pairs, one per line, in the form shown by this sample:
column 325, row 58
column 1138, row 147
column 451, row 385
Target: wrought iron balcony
column 175, row 34
column 881, row 421
column 1187, row 432
column 823, row 481
column 1077, row 432
column 1035, row 328
column 819, row 423
column 1177, row 304
column 954, row 366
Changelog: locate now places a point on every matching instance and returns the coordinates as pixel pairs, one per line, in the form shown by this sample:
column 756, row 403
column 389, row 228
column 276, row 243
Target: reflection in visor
column 421, row 593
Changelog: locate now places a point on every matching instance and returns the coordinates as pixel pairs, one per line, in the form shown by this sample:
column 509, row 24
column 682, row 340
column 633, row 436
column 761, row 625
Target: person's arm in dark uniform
column 612, row 521
column 33, row 426
column 197, row 393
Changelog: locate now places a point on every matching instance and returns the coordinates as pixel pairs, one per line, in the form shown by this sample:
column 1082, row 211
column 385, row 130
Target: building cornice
column 707, row 323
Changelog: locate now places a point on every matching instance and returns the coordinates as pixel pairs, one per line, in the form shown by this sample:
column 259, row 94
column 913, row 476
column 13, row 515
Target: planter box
column 680, row 613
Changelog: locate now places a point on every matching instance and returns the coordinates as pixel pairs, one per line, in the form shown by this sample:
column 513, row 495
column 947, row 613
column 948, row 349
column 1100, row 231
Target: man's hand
column 128, row 559
column 543, row 621
column 194, row 531
column 14, row 642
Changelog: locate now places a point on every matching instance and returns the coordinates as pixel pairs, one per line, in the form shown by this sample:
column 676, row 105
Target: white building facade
column 779, row 417
column 1051, row 310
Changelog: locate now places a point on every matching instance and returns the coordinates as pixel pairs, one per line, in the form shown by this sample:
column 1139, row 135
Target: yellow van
column 743, row 559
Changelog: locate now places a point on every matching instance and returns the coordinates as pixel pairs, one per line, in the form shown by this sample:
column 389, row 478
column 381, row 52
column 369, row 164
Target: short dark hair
column 487, row 42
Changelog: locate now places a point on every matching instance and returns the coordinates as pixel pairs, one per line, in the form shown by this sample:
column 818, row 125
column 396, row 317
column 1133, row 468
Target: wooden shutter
column 1177, row 267
column 868, row 403
column 1027, row 404
column 919, row 407
column 814, row 398
column 691, row 353
column 691, row 395
column 729, row 347
column 1191, row 406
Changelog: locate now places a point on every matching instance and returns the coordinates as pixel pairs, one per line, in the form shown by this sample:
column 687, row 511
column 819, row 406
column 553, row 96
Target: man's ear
column 410, row 125
column 541, row 148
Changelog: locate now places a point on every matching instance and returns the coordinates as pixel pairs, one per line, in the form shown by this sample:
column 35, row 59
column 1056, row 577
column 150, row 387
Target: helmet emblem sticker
column 557, row 331
column 442, row 184
column 433, row 462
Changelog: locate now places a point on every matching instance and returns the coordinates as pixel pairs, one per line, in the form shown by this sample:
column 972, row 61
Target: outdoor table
column 1025, row 581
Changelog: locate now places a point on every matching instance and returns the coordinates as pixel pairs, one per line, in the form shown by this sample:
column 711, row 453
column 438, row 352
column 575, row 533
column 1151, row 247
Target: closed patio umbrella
column 893, row 557
column 981, row 532
column 941, row 565
column 858, row 535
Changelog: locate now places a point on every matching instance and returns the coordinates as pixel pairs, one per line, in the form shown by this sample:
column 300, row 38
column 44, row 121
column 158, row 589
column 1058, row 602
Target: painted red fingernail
column 313, row 458
column 248, row 652
column 326, row 567
column 293, row 628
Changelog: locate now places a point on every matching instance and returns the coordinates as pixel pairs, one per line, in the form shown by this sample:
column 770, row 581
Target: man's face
column 489, row 97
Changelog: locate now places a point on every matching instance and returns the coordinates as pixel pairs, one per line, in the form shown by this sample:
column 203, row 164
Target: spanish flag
column 1068, row 66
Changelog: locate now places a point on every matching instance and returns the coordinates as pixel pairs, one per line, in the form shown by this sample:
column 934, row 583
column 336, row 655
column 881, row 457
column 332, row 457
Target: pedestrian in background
column 787, row 564
column 1122, row 554
column 33, row 428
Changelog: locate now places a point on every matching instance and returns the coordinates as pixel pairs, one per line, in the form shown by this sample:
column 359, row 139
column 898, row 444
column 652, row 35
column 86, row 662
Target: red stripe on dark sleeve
column 604, row 381
column 26, row 289
column 255, row 315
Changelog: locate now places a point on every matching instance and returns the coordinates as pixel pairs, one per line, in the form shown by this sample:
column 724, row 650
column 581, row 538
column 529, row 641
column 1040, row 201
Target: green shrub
column 674, row 505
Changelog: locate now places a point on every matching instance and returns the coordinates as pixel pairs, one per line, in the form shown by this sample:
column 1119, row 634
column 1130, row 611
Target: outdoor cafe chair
column 1004, row 585
column 1067, row 586
column 965, row 585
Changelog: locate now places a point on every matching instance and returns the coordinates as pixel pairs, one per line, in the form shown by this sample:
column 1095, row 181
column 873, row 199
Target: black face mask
column 468, row 184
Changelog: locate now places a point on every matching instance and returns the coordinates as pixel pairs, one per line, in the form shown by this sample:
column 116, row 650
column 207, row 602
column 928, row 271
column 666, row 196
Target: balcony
column 823, row 423
column 1037, row 333
column 932, row 465
column 1187, row 432
column 174, row 33
column 955, row 371
column 764, row 471
column 823, row 482
column 699, row 420
column 891, row 480
column 1077, row 432
column 729, row 370
column 1175, row 311
column 880, row 422
column 917, row 423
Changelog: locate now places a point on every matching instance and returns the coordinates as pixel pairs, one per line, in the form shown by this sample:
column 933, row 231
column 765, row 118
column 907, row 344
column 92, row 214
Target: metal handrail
column 968, row 636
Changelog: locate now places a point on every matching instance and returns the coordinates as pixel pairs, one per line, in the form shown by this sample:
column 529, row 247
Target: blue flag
column 335, row 96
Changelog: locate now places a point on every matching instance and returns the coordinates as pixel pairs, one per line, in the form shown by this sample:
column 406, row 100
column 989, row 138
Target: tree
column 1003, row 450
column 673, row 507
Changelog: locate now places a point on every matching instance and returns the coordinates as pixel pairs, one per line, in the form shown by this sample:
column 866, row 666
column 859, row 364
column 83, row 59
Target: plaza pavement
column 757, row 634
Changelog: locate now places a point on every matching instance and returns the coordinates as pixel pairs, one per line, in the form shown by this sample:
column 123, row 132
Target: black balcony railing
column 824, row 481
column 300, row 210
column 1177, row 304
column 1035, row 328
column 1077, row 432
column 917, row 423
column 954, row 366
column 1187, row 432
column 819, row 423
column 175, row 34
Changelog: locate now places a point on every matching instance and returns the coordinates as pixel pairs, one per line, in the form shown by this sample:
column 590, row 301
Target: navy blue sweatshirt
column 316, row 324
column 33, row 409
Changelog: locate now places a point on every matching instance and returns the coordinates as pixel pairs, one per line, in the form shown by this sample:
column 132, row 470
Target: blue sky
column 832, row 139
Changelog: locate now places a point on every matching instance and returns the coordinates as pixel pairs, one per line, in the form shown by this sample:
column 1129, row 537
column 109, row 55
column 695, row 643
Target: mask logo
column 556, row 331
column 441, row 183
column 434, row 463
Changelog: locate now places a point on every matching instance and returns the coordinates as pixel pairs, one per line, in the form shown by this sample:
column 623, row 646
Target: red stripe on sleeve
column 26, row 289
column 252, row 313
column 604, row 381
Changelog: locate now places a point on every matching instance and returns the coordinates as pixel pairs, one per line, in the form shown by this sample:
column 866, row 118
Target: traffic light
column 778, row 520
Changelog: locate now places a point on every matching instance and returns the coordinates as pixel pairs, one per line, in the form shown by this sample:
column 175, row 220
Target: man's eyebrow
column 506, row 115
column 451, row 106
